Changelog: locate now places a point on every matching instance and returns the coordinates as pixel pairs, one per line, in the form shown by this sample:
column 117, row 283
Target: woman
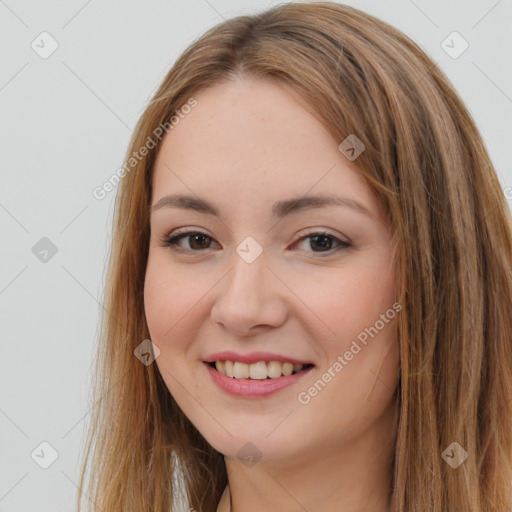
column 309, row 290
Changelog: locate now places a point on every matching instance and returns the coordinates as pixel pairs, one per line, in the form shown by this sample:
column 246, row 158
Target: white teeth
column 240, row 370
column 257, row 371
column 287, row 368
column 228, row 368
column 220, row 367
column 274, row 369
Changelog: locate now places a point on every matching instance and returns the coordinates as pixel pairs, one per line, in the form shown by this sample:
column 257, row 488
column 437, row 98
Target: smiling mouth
column 261, row 370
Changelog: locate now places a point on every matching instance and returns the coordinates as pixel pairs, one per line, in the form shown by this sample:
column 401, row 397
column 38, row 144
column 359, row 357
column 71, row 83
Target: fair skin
column 243, row 148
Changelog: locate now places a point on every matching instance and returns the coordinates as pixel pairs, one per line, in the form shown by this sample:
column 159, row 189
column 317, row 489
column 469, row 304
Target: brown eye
column 197, row 241
column 323, row 243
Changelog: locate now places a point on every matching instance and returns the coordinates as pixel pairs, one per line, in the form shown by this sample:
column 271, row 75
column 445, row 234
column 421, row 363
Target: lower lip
column 253, row 387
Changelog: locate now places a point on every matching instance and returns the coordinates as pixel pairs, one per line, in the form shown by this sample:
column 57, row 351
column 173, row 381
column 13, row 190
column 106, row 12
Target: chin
column 253, row 449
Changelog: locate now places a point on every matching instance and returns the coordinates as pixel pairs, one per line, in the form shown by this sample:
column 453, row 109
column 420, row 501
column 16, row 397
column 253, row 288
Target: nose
column 250, row 298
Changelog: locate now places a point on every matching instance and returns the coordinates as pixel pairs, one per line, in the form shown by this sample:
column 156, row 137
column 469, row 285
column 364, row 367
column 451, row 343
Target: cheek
column 168, row 305
column 357, row 389
column 344, row 301
column 170, row 296
column 354, row 312
column 157, row 299
column 176, row 308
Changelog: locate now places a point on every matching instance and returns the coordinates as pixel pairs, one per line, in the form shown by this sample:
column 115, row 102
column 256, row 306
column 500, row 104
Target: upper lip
column 252, row 357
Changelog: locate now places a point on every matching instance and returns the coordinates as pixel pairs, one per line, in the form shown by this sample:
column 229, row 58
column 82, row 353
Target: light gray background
column 65, row 123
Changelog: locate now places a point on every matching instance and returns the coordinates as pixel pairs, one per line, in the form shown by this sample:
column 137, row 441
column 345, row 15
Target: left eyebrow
column 280, row 209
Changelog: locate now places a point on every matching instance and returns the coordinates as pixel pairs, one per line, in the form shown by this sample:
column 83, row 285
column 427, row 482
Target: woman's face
column 253, row 272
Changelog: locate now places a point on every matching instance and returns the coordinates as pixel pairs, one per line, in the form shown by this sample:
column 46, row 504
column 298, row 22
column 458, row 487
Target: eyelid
column 189, row 229
column 323, row 231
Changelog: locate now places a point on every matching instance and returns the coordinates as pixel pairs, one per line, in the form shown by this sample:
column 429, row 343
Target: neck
column 353, row 476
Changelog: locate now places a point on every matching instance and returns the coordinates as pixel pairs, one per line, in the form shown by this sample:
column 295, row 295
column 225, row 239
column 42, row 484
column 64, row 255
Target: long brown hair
column 452, row 227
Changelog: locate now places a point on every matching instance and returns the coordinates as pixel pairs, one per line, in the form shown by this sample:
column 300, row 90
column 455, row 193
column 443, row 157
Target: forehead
column 253, row 141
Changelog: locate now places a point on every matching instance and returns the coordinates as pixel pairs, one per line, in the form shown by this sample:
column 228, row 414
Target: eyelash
column 171, row 241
